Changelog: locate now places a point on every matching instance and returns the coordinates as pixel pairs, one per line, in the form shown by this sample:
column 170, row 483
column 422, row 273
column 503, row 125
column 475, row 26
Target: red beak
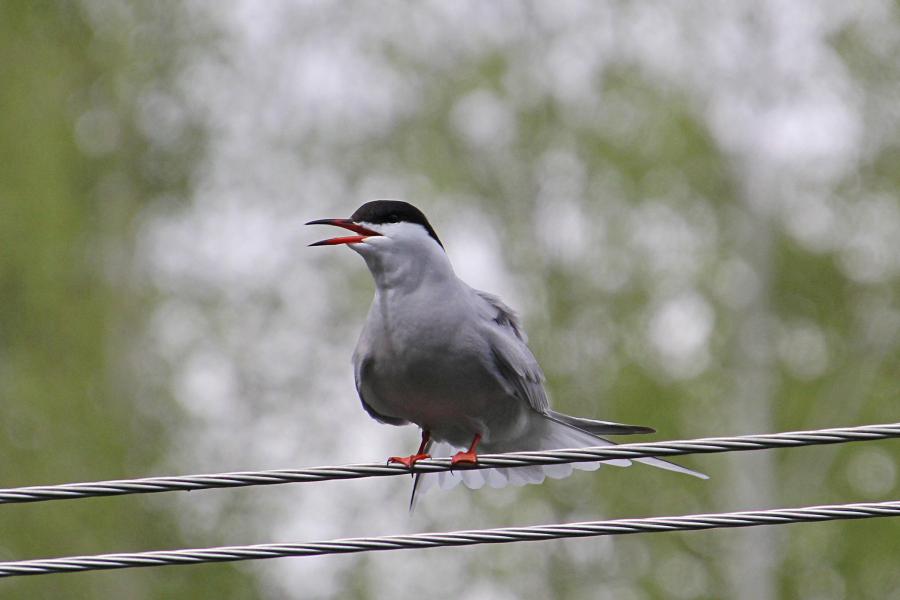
column 346, row 224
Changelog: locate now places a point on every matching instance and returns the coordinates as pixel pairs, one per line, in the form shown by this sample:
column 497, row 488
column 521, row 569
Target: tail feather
column 669, row 466
column 598, row 427
column 556, row 431
column 609, row 428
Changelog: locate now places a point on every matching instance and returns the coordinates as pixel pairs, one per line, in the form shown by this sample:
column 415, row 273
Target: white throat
column 404, row 257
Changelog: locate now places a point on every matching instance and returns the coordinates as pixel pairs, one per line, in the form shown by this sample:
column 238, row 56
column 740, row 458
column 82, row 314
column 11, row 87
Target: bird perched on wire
column 454, row 360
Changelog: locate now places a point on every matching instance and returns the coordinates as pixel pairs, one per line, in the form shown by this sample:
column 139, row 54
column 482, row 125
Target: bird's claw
column 408, row 461
column 464, row 458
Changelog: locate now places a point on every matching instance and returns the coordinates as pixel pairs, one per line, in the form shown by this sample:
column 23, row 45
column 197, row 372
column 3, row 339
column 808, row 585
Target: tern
column 454, row 360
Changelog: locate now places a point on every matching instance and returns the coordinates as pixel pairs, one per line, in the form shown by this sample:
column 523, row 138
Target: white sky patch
column 679, row 331
column 206, row 385
column 574, row 62
column 483, row 119
column 564, row 230
column 477, row 256
column 671, row 244
column 223, row 241
column 819, row 129
column 561, row 221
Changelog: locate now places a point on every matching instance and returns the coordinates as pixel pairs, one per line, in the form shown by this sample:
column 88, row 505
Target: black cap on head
column 378, row 212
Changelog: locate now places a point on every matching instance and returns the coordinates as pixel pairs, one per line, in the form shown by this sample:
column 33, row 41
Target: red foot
column 464, row 457
column 408, row 461
column 469, row 456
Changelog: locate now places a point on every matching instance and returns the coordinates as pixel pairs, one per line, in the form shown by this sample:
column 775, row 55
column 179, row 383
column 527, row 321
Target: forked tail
column 554, row 431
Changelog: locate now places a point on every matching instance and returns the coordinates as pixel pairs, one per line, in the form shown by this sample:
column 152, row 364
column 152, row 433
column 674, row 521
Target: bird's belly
column 453, row 399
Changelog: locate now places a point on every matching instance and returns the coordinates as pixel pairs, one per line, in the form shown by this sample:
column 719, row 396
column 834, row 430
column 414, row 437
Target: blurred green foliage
column 67, row 309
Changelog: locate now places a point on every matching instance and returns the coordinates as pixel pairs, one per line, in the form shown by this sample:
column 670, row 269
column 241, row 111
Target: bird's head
column 394, row 237
column 395, row 220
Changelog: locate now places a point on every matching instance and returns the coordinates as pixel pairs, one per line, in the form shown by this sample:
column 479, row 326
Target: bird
column 454, row 360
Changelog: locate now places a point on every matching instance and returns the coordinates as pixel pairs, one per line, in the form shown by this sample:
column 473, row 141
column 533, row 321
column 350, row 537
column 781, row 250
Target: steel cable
column 454, row 538
column 514, row 459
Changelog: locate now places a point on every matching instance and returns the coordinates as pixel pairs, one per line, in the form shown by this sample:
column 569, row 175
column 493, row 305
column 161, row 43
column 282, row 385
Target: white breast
column 429, row 363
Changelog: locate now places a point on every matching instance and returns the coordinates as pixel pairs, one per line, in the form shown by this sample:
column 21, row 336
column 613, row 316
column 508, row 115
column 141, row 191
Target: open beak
column 346, row 224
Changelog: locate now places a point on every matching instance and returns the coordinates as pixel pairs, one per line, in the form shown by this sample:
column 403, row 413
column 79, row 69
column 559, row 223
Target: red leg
column 470, row 456
column 409, row 461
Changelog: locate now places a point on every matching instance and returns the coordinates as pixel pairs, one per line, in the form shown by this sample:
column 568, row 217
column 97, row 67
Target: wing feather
column 513, row 358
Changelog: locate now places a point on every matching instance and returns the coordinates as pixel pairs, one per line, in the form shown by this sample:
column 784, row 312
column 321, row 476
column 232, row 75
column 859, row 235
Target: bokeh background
column 694, row 206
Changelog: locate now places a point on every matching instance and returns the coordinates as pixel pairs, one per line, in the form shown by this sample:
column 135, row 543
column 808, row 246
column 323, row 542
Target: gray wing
column 516, row 365
column 361, row 368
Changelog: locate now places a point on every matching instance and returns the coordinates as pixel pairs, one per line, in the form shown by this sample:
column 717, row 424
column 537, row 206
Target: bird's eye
column 393, row 218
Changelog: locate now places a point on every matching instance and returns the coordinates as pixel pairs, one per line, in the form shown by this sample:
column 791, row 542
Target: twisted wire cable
column 503, row 535
column 513, row 459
